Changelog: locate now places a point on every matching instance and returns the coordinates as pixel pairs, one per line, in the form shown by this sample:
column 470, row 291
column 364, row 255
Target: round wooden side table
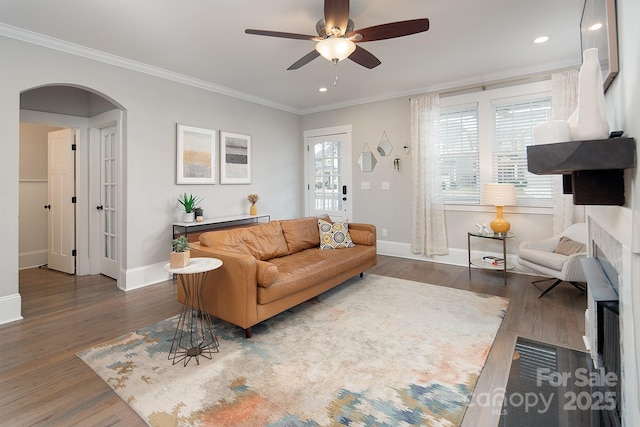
column 195, row 335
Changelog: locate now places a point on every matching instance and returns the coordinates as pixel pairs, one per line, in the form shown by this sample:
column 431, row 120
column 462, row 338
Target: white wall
column 623, row 105
column 152, row 106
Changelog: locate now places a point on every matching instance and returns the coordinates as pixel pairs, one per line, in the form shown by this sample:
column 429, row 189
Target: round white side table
column 195, row 335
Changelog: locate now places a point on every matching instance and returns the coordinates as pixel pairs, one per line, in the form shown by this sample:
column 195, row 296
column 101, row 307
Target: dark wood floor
column 43, row 383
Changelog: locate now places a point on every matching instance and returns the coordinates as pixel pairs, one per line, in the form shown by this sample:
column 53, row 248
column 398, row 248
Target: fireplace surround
column 604, row 322
column 602, row 286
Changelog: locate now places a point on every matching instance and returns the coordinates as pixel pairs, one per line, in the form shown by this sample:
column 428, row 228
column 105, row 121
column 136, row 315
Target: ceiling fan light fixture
column 335, row 49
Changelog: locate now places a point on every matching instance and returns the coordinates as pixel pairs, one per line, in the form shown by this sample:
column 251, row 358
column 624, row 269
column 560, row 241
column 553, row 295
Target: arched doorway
column 96, row 122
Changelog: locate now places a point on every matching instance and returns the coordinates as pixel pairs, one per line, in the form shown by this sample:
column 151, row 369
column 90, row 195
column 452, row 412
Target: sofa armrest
column 363, row 234
column 231, row 291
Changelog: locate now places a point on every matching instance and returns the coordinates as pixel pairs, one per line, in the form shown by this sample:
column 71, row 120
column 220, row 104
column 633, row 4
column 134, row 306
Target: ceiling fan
column 336, row 39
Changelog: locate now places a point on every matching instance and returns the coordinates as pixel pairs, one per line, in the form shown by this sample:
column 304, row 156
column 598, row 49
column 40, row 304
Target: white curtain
column 564, row 101
column 428, row 231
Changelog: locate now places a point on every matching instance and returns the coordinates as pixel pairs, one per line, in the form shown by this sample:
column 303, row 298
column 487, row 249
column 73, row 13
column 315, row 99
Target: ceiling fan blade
column 304, row 60
column 391, row 30
column 280, row 34
column 364, row 57
column 336, row 14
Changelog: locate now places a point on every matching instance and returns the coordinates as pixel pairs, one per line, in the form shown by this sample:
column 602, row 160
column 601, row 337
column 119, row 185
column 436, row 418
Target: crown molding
column 118, row 61
column 508, row 77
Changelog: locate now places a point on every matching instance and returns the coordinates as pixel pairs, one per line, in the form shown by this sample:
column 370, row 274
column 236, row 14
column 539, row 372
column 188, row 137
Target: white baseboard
column 141, row 277
column 32, row 259
column 456, row 256
column 10, row 307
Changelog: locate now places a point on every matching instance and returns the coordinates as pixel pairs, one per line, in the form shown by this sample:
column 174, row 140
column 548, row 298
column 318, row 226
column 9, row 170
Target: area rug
column 373, row 351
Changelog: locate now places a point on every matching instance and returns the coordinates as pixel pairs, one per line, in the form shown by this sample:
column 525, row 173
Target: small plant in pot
column 188, row 203
column 180, row 256
column 253, row 199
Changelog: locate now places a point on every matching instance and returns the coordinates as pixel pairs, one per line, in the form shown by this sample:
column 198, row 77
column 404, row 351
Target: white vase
column 589, row 121
column 551, row 131
column 189, row 217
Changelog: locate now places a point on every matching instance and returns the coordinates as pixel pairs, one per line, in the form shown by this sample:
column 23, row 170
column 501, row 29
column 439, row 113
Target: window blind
column 460, row 154
column 513, row 124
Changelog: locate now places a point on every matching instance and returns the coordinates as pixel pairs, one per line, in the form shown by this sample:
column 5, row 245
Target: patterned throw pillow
column 334, row 236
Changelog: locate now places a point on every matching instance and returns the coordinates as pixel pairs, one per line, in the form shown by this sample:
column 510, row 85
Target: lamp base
column 500, row 225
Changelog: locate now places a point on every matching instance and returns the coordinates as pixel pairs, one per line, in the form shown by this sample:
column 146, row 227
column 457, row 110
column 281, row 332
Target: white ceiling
column 203, row 41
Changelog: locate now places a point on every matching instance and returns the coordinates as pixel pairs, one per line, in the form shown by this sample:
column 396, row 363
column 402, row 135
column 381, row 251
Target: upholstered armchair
column 557, row 257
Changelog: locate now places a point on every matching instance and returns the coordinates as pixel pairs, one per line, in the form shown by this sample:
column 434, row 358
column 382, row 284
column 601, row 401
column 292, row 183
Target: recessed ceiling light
column 541, row 39
column 322, row 89
column 595, row 27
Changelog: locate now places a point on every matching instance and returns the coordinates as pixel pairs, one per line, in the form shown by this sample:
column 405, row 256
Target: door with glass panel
column 108, row 206
column 328, row 171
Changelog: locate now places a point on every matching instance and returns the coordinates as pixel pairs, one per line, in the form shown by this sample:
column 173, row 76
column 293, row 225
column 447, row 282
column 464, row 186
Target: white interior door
column 108, row 207
column 328, row 171
column 61, row 206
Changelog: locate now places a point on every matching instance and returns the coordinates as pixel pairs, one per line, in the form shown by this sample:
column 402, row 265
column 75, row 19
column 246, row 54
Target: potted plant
column 188, row 203
column 181, row 254
column 253, row 198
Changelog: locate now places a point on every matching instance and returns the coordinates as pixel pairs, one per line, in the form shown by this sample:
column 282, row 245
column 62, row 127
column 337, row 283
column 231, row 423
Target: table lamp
column 499, row 195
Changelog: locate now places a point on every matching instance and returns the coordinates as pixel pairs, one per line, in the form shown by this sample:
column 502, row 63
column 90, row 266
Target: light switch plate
column 385, row 185
column 365, row 185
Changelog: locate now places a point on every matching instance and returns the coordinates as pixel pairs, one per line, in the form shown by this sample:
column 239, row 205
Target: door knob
column 99, row 207
column 47, row 206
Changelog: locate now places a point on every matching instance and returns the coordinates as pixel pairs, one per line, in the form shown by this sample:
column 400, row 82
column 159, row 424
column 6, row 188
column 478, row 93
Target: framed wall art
column 235, row 158
column 598, row 30
column 196, row 155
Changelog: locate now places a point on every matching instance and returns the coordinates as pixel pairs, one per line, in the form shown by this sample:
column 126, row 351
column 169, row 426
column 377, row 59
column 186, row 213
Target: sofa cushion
column 310, row 267
column 264, row 241
column 334, row 236
column 301, row 233
column 267, row 273
column 567, row 246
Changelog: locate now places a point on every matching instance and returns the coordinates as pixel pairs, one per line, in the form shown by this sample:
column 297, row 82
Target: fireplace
column 602, row 285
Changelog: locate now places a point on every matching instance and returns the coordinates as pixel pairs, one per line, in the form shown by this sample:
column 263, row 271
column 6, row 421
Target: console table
column 184, row 228
column 484, row 264
column 195, row 335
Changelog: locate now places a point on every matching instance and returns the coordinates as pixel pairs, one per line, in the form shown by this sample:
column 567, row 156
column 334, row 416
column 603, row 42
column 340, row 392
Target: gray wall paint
column 153, row 107
column 391, row 209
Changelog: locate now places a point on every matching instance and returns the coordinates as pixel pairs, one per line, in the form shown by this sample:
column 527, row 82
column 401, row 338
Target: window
column 513, row 124
column 484, row 138
column 460, row 154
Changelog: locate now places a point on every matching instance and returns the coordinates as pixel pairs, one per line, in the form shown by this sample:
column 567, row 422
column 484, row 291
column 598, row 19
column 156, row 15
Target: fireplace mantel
column 593, row 171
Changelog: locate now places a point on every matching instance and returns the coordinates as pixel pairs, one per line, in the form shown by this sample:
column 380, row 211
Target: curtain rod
column 485, row 86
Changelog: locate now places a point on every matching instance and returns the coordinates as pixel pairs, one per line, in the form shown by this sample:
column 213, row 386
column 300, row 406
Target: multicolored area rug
column 373, row 351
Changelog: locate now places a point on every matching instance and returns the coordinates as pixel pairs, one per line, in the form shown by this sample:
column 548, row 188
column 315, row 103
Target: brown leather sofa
column 272, row 267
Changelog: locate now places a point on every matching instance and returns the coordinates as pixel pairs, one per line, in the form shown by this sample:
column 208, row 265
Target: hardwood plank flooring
column 43, row 383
